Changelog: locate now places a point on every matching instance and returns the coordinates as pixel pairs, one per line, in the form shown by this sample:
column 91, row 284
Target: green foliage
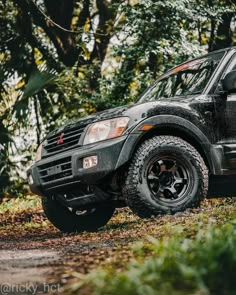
column 38, row 81
column 204, row 265
column 61, row 61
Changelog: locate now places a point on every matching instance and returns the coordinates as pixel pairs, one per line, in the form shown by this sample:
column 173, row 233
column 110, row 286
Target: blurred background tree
column 60, row 60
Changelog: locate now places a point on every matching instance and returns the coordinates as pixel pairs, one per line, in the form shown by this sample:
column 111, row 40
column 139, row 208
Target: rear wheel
column 166, row 175
column 82, row 219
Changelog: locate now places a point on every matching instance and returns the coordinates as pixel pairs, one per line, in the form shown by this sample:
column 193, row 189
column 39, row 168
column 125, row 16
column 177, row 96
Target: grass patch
column 203, row 265
column 193, row 252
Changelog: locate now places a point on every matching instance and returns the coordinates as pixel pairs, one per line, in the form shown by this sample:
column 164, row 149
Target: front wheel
column 71, row 220
column 166, row 175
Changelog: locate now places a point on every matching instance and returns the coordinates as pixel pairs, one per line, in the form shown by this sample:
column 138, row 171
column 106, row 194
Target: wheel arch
column 174, row 126
column 173, row 131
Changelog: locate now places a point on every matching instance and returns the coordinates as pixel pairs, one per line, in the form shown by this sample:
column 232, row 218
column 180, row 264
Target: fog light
column 90, row 162
column 30, row 180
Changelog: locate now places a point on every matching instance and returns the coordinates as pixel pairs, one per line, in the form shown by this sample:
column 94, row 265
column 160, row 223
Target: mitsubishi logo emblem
column 60, row 140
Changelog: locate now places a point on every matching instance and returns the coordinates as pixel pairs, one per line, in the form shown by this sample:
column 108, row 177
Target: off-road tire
column 68, row 221
column 139, row 186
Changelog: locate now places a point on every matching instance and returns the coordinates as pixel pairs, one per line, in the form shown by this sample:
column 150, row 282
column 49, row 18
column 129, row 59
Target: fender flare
column 179, row 124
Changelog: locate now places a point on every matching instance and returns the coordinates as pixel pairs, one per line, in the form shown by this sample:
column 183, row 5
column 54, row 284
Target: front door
column 226, row 109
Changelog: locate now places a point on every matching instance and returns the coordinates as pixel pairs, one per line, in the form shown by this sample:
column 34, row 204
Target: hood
column 137, row 112
column 103, row 115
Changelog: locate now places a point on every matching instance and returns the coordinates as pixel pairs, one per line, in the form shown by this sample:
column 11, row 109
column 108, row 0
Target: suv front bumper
column 64, row 171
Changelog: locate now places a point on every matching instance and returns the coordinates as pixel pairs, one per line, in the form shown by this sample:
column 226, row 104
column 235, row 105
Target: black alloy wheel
column 166, row 175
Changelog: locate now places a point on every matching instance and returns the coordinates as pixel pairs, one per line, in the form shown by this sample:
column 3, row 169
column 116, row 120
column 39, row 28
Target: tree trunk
column 224, row 34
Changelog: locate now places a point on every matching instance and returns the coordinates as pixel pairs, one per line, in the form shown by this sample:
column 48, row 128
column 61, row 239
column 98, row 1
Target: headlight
column 106, row 129
column 38, row 154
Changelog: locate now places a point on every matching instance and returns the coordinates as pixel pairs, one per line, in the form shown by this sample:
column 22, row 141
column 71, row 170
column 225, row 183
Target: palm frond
column 38, row 80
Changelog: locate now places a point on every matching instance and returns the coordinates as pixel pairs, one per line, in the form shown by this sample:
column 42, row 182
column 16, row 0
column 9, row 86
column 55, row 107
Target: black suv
column 155, row 156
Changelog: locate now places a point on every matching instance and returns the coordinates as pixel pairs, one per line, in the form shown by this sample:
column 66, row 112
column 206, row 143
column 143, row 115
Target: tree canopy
column 60, row 60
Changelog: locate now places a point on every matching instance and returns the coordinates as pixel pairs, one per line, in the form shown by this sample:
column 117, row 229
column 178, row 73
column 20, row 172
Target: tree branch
column 64, row 42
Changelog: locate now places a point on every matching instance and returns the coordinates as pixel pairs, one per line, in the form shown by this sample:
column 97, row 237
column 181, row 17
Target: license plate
column 54, row 170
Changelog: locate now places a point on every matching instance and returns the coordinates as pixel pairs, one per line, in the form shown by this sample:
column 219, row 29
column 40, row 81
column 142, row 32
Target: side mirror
column 229, row 82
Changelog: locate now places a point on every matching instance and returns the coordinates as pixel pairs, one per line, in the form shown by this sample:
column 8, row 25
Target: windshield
column 186, row 79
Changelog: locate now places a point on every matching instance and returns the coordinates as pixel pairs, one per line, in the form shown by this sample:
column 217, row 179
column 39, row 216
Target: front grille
column 55, row 170
column 69, row 139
